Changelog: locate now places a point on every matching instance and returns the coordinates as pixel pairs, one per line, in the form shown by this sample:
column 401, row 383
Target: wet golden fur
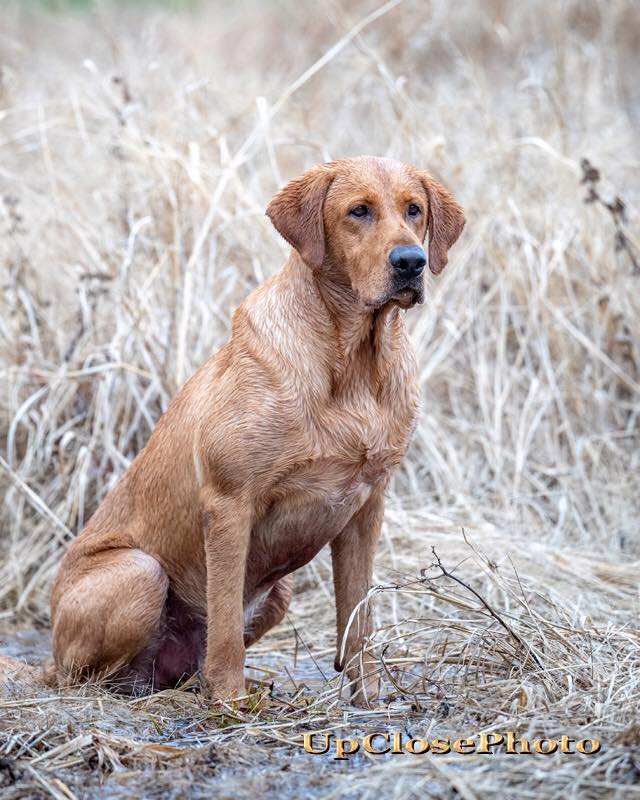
column 282, row 442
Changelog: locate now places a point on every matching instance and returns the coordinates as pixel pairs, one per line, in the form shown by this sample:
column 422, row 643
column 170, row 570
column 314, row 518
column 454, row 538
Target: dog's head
column 364, row 220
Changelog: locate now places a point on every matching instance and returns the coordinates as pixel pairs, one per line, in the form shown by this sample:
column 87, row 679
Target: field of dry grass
column 138, row 150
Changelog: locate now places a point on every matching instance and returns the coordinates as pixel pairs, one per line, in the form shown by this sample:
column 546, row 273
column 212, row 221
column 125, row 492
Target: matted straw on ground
column 138, row 151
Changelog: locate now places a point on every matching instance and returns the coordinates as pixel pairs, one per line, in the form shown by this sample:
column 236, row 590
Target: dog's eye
column 359, row 211
column 413, row 210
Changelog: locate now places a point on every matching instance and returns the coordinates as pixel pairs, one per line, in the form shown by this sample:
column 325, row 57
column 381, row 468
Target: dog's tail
column 14, row 670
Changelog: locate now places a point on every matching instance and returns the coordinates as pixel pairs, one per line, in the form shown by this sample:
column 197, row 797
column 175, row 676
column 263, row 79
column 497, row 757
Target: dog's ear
column 445, row 221
column 296, row 213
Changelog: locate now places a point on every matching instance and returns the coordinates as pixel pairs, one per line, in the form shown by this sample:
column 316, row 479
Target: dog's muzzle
column 408, row 263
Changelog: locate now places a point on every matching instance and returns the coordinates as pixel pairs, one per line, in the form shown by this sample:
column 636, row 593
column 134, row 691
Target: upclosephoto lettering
column 399, row 743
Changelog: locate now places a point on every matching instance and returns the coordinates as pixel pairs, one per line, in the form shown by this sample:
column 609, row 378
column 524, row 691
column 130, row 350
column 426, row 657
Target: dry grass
column 138, row 150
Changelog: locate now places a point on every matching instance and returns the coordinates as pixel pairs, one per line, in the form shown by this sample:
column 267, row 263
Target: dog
column 282, row 442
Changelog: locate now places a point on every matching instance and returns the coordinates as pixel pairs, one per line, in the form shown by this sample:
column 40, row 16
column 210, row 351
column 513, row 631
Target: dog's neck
column 358, row 332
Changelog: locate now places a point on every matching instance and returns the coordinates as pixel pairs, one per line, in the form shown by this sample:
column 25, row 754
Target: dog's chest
column 351, row 451
column 353, row 446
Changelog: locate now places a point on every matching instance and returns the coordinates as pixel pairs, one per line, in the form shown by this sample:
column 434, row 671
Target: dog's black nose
column 408, row 261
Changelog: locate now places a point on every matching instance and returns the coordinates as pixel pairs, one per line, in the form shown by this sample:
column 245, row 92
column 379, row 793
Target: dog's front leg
column 227, row 529
column 352, row 554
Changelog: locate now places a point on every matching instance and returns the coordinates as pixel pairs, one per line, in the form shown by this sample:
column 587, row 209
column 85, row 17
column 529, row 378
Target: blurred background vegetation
column 140, row 143
column 63, row 6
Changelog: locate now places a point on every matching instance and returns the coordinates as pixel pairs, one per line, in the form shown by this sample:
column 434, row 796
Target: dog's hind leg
column 269, row 612
column 110, row 612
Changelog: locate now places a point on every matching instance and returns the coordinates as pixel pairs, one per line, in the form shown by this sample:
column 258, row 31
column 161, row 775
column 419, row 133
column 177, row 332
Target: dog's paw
column 365, row 691
column 225, row 688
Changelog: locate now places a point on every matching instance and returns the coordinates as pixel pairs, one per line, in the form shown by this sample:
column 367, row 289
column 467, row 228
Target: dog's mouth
column 408, row 296
column 405, row 298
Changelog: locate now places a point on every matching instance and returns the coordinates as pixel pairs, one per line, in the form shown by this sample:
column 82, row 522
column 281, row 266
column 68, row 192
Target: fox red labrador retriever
column 282, row 442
